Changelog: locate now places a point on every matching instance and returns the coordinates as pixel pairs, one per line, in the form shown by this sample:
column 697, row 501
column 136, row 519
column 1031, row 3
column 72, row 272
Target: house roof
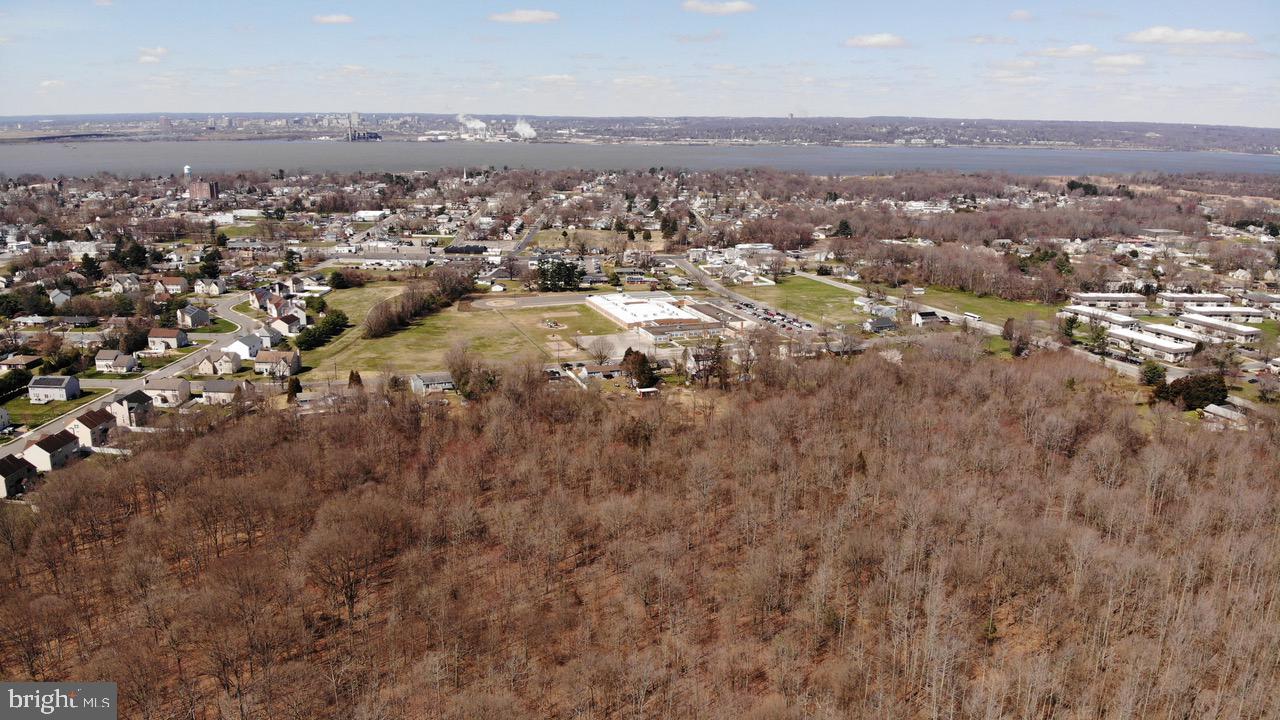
column 51, row 381
column 106, row 355
column 56, row 441
column 273, row 356
column 168, row 384
column 12, row 464
column 20, row 360
column 191, row 310
column 135, row 398
column 164, row 332
column 432, row 378
column 96, row 418
column 220, row 386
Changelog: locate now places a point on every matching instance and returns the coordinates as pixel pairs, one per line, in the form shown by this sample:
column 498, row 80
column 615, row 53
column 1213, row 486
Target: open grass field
column 22, row 412
column 495, row 335
column 992, row 309
column 239, row 231
column 1270, row 331
column 812, row 300
column 1155, row 319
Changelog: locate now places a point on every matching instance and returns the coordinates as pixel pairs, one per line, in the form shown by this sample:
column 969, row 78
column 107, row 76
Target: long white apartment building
column 1146, row 344
column 1100, row 316
column 1230, row 313
column 1220, row 329
column 1176, row 300
column 1173, row 332
column 1109, row 301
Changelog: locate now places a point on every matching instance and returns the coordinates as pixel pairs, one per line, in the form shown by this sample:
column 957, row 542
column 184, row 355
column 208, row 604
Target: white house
column 52, row 388
column 246, row 346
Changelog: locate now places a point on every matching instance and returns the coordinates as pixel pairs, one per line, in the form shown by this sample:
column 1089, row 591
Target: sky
column 1136, row 60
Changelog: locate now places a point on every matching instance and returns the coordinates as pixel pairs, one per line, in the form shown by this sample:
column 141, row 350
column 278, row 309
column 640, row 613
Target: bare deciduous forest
column 950, row 537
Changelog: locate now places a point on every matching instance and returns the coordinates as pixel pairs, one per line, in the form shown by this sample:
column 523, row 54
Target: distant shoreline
column 110, row 138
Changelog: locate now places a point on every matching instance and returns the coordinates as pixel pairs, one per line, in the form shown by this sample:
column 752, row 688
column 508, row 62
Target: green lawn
column 217, row 325
column 997, row 346
column 239, row 231
column 99, row 375
column 495, row 335
column 809, row 299
column 992, row 309
column 1270, row 330
column 22, row 412
column 246, row 308
column 1155, row 319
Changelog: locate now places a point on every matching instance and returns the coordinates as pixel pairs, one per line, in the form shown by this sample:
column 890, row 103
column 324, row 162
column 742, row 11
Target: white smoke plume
column 470, row 123
column 524, row 130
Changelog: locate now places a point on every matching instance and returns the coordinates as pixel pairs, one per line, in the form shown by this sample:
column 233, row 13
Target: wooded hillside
column 952, row 537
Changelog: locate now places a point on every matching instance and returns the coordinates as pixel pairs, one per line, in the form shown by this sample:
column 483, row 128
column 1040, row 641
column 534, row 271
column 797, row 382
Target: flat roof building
column 1098, row 315
column 635, row 309
column 1114, row 301
column 1153, row 346
column 1172, row 299
column 1221, row 329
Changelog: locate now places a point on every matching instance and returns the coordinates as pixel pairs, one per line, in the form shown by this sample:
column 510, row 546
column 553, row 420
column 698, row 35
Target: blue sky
column 1169, row 61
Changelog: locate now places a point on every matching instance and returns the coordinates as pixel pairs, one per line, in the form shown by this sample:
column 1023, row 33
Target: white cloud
column 638, row 81
column 525, row 16
column 1119, row 63
column 152, row 55
column 50, row 84
column 556, row 79
column 1021, row 16
column 712, row 36
column 991, row 40
column 1165, row 35
column 1015, row 78
column 337, row 19
column 729, row 7
column 875, row 40
column 1016, row 64
column 1070, row 51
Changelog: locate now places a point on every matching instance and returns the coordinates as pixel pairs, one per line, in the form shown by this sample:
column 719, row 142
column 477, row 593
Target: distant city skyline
column 1149, row 61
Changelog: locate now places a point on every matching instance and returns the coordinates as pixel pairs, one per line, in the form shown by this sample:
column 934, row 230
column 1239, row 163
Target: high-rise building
column 354, row 120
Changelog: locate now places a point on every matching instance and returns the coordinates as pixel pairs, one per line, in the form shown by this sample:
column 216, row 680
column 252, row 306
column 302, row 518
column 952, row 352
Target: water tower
column 186, row 172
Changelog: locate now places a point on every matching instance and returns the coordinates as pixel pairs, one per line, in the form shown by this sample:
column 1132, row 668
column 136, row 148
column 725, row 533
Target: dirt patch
column 549, row 315
column 560, row 346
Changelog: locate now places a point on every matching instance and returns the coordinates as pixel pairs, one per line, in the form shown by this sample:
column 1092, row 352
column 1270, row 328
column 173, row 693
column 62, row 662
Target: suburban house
column 172, row 285
column 52, row 451
column 169, row 392
column 1225, row 416
column 59, row 297
column 162, row 339
column 132, row 410
column 211, row 286
column 268, row 335
column 92, row 428
column 289, row 325
column 192, row 317
column 16, row 473
column 925, row 317
column 23, row 362
column 223, row 392
column 114, row 361
column 247, row 346
column 125, row 284
column 52, row 388
column 879, row 324
column 219, row 363
column 599, row 372
column 431, row 382
column 278, row 363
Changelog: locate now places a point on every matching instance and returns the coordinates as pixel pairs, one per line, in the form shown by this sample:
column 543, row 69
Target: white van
column 973, row 316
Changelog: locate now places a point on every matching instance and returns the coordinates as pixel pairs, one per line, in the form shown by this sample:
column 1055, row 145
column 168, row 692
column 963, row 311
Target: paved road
column 222, row 307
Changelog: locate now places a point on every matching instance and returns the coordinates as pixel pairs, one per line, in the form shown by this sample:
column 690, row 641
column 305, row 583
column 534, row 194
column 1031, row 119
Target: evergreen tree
column 90, row 267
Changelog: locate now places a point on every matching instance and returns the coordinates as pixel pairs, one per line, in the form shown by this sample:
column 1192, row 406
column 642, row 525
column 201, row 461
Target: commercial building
column 631, row 310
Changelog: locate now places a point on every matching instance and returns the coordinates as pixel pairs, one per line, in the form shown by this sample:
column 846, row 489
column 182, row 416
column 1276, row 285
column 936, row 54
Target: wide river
column 163, row 158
